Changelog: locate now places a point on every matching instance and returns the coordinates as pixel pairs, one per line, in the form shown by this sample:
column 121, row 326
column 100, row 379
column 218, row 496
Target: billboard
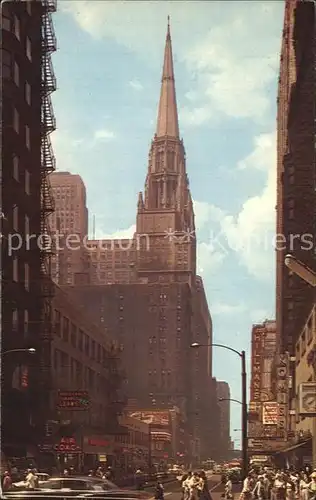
column 152, row 417
column 73, row 400
column 270, row 413
column 307, row 399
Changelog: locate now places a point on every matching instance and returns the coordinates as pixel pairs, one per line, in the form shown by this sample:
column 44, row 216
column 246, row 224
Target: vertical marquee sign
column 257, row 345
column 282, row 391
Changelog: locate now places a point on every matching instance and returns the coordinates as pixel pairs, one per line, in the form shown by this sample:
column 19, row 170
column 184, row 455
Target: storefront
column 97, row 450
column 63, row 454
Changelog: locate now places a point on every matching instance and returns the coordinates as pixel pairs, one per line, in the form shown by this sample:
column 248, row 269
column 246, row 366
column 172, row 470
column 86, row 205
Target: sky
column 226, row 58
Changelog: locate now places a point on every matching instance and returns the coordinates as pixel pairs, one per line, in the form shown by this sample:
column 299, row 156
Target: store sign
column 256, row 366
column 97, row 444
column 73, row 400
column 270, row 413
column 307, row 399
column 67, row 445
column 282, row 390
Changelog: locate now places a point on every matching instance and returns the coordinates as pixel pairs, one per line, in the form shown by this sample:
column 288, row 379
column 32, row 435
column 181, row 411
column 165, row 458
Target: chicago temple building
column 149, row 296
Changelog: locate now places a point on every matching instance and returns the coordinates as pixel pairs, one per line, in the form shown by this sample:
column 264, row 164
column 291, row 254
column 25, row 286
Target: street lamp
column 243, row 401
column 30, row 350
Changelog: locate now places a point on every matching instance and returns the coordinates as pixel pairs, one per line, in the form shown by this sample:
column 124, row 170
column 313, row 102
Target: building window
column 87, row 345
column 28, row 93
column 16, row 168
column 27, row 136
column 27, row 182
column 6, row 64
column 26, row 321
column 16, row 120
column 15, row 216
column 27, row 276
column 6, row 22
column 15, row 269
column 65, row 329
column 16, row 74
column 291, row 213
column 17, row 27
column 29, row 7
column 28, row 48
column 27, row 225
column 73, row 335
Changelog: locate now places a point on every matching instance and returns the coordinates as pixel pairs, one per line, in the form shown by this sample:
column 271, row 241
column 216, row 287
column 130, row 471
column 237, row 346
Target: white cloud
column 259, row 315
column 104, row 135
column 232, row 59
column 209, row 259
column 136, row 85
column 250, row 232
column 120, row 234
column 218, row 308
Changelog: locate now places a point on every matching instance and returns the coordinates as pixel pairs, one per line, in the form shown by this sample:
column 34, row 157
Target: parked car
column 80, row 486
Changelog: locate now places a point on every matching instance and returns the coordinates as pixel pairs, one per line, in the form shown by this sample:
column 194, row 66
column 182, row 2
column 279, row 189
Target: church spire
column 167, row 122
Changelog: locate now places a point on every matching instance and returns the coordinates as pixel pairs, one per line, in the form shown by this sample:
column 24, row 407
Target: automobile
column 235, row 475
column 80, row 486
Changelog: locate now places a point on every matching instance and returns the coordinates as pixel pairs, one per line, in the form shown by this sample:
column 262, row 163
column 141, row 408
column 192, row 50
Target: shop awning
column 295, row 446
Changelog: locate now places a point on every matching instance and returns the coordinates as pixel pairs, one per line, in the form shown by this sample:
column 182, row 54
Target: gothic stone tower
column 165, row 213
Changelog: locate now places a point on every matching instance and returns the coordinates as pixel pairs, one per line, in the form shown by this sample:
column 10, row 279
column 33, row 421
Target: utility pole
column 244, row 418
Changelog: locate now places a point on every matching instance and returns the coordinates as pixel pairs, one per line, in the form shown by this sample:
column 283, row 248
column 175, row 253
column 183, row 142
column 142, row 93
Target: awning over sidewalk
column 295, row 446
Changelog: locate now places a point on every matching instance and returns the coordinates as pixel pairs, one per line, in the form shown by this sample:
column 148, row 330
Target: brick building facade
column 296, row 167
column 84, row 359
column 27, row 41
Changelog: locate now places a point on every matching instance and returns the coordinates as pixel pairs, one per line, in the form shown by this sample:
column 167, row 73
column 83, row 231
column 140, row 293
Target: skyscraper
column 158, row 314
column 69, row 224
column 295, row 168
column 27, row 41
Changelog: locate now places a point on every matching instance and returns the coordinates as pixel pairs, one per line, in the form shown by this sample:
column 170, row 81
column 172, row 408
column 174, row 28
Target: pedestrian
column 7, row 481
column 194, row 486
column 30, row 480
column 203, row 488
column 159, row 491
column 312, row 487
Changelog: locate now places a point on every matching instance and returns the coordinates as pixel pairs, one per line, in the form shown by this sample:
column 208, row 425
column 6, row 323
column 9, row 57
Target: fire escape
column 48, row 125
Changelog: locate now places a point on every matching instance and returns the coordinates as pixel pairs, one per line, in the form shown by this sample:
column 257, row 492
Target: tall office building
column 223, row 397
column 295, row 168
column 69, row 225
column 27, row 41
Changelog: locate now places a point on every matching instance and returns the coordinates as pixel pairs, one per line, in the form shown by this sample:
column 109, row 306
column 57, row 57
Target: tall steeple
column 167, row 121
column 165, row 212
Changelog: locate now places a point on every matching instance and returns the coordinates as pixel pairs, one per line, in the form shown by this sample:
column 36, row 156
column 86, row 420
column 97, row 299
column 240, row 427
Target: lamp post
column 30, row 350
column 309, row 276
column 243, row 402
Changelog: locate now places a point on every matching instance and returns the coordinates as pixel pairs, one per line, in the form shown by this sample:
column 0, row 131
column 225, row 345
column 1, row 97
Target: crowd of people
column 268, row 484
column 195, row 486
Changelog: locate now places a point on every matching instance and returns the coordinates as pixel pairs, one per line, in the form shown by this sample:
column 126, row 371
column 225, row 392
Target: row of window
column 18, row 128
column 15, row 26
column 69, row 332
column 8, row 72
column 15, row 221
column 75, row 374
column 21, row 272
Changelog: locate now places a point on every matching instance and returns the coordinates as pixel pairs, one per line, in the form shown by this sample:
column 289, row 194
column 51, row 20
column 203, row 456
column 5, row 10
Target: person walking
column 159, row 491
column 203, row 487
column 7, row 481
